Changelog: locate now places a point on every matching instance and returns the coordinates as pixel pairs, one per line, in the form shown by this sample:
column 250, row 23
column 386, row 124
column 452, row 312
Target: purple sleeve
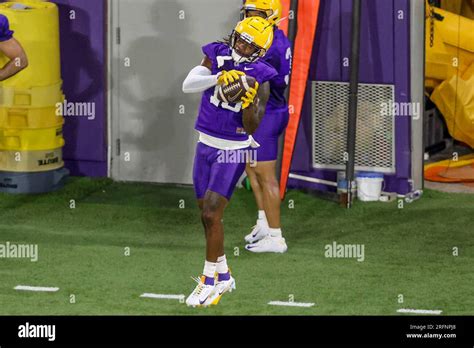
column 211, row 50
column 5, row 32
column 265, row 73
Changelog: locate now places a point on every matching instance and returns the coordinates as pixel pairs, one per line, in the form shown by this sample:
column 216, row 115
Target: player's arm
column 254, row 105
column 18, row 59
column 200, row 78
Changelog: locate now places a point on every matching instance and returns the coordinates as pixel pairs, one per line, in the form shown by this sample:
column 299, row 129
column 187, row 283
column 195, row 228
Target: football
column 233, row 92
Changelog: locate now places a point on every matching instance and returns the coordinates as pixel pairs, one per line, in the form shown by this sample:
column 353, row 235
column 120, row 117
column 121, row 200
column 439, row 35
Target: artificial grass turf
column 408, row 252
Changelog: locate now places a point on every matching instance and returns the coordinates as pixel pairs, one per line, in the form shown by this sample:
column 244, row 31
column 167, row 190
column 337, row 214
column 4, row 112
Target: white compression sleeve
column 199, row 79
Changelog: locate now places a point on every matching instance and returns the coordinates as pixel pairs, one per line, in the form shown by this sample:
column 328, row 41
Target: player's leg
column 220, row 181
column 266, row 176
column 267, row 136
column 201, row 176
column 260, row 230
column 212, row 214
column 274, row 241
column 212, row 207
column 201, row 206
column 223, row 181
column 256, row 188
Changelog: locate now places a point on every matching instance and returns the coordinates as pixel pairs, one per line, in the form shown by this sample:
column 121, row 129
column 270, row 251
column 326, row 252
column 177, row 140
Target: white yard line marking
column 35, row 288
column 419, row 311
column 290, row 304
column 163, row 296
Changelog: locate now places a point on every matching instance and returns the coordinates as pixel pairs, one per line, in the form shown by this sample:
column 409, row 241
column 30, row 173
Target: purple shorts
column 272, row 126
column 217, row 170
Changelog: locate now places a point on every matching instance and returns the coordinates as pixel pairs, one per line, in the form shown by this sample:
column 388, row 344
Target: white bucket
column 369, row 186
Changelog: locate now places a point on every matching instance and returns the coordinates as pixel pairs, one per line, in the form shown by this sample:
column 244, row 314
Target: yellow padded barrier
column 31, row 139
column 30, row 118
column 455, row 100
column 31, row 161
column 35, row 97
column 37, row 29
column 453, row 46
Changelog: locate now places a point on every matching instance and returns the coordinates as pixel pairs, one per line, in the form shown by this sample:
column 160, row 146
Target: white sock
column 222, row 265
column 275, row 232
column 262, row 219
column 209, row 269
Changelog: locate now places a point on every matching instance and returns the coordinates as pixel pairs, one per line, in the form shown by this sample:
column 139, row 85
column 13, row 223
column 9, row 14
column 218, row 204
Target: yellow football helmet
column 272, row 9
column 255, row 32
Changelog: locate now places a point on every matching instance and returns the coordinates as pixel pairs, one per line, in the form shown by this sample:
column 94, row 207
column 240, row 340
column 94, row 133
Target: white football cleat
column 268, row 244
column 222, row 287
column 259, row 232
column 201, row 294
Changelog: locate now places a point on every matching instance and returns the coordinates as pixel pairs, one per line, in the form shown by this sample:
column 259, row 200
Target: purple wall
column 83, row 59
column 384, row 59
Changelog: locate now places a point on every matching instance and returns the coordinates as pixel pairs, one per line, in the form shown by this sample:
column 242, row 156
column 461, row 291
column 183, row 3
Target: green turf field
column 408, row 251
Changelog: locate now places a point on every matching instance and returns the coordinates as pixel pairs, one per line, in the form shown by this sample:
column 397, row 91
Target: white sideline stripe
column 290, row 304
column 419, row 311
column 163, row 296
column 35, row 288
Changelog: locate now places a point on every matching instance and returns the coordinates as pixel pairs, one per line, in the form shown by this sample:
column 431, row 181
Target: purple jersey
column 224, row 120
column 279, row 56
column 5, row 32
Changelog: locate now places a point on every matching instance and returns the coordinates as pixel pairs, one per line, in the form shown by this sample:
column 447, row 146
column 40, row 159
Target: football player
column 266, row 235
column 12, row 49
column 225, row 128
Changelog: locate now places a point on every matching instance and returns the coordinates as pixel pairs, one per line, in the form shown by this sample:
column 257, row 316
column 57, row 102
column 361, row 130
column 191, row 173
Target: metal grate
column 375, row 139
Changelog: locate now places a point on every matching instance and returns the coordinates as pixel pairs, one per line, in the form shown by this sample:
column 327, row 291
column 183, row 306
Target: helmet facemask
column 240, row 57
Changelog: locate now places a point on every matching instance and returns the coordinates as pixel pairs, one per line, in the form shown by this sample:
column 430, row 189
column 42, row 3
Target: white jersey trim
column 224, row 144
